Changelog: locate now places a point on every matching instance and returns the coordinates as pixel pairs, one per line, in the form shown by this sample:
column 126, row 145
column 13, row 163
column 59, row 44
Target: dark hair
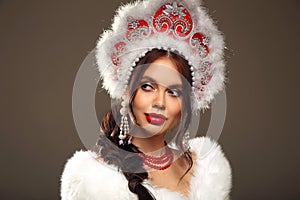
column 115, row 154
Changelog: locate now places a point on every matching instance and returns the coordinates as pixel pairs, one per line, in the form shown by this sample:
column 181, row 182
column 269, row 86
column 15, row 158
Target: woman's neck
column 153, row 144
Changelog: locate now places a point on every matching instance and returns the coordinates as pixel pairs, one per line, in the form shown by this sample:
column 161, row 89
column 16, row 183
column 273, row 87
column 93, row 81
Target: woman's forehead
column 164, row 72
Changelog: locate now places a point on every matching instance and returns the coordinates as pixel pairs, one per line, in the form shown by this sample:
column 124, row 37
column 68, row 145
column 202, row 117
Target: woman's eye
column 147, row 87
column 175, row 93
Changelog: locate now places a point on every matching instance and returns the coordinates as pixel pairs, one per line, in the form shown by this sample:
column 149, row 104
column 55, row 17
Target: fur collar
column 86, row 178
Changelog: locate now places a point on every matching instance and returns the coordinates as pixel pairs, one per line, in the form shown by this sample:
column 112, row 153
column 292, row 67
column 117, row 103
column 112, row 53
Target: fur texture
column 115, row 79
column 85, row 178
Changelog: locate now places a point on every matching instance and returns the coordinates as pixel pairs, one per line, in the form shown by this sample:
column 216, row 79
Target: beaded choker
column 160, row 162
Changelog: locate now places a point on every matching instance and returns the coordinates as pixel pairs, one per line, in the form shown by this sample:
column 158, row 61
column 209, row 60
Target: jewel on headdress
column 173, row 17
column 133, row 24
column 200, row 42
column 174, row 10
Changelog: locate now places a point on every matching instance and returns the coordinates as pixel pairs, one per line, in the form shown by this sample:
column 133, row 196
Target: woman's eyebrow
column 175, row 86
column 152, row 80
column 148, row 78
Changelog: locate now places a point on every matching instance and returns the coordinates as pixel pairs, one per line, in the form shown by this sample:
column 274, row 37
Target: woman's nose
column 159, row 100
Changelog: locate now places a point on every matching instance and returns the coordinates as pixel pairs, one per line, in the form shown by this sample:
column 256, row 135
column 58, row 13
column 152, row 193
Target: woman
column 161, row 62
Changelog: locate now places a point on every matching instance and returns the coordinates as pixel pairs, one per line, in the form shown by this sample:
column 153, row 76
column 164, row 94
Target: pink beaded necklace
column 158, row 162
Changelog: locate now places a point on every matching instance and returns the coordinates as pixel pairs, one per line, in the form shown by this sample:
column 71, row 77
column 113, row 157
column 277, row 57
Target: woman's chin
column 146, row 131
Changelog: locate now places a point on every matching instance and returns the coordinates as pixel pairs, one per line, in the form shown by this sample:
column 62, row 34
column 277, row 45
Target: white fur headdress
column 180, row 26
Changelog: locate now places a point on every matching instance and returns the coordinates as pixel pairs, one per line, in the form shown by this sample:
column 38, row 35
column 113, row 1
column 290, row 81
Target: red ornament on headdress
column 137, row 29
column 173, row 17
column 120, row 48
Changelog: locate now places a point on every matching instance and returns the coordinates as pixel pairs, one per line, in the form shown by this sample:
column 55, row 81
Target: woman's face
column 158, row 99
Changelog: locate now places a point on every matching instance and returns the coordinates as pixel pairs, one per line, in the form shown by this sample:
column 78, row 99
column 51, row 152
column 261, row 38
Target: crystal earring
column 124, row 125
column 186, row 139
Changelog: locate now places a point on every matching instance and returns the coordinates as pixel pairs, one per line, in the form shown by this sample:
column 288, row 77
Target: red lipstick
column 156, row 119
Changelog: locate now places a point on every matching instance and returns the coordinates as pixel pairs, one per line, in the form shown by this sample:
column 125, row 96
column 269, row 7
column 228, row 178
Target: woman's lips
column 156, row 119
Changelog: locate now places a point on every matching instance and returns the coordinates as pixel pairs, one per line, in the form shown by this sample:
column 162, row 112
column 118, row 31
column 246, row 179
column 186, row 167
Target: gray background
column 43, row 43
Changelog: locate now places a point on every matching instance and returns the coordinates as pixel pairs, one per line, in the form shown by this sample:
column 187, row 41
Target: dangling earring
column 124, row 125
column 186, row 139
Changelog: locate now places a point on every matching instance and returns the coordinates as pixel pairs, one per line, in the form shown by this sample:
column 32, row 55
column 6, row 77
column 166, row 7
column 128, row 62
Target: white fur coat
column 85, row 178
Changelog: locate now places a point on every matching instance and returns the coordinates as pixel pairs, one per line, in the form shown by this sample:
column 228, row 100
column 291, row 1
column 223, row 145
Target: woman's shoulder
column 207, row 149
column 83, row 163
column 211, row 172
column 87, row 177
